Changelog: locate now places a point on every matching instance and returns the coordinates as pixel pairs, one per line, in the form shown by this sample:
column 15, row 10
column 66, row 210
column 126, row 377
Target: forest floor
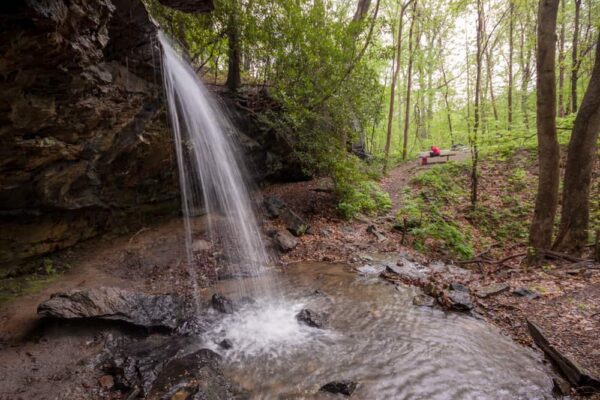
column 563, row 298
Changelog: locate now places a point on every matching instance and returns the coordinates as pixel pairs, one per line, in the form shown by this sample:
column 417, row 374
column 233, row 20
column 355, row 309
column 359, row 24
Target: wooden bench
column 424, row 157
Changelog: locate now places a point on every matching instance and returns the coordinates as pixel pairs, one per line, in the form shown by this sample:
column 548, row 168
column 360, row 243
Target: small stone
column 222, row 304
column 293, row 222
column 273, row 206
column 312, row 318
column 226, row 344
column 107, row 381
column 460, row 299
column 345, row 387
column 423, row 300
column 373, row 230
column 201, row 245
column 523, row 292
column 491, row 290
column 285, row 241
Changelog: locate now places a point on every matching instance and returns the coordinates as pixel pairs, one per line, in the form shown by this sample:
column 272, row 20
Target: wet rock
column 491, row 290
column 293, row 222
column 285, row 241
column 345, row 387
column 423, row 300
column 523, row 292
column 106, row 303
column 372, row 229
column 577, row 376
column 368, row 269
column 222, row 304
column 226, row 344
column 312, row 318
column 273, row 206
column 194, row 376
column 138, row 364
column 459, row 297
column 408, row 271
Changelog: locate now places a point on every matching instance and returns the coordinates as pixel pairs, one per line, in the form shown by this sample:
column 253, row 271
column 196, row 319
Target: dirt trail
column 399, row 176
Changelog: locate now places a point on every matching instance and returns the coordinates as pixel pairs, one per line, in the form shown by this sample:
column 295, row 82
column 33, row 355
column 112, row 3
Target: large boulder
column 112, row 304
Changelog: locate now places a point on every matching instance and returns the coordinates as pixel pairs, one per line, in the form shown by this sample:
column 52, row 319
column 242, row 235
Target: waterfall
column 210, row 172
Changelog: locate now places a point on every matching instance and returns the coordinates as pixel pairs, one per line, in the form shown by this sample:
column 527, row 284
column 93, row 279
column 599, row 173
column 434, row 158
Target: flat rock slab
column 571, row 370
column 112, row 304
column 491, row 290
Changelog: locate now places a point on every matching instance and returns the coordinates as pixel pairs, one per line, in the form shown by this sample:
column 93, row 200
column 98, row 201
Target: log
column 574, row 373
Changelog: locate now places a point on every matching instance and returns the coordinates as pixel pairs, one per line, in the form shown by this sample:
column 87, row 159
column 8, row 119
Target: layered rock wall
column 83, row 135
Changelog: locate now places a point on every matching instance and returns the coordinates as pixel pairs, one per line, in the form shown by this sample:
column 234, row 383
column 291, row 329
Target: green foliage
column 355, row 189
column 426, row 210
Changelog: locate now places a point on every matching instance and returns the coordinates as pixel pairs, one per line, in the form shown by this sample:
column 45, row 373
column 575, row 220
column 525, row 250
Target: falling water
column 209, row 171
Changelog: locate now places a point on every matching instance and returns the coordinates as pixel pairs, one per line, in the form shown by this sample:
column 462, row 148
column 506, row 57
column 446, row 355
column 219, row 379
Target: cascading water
column 209, row 171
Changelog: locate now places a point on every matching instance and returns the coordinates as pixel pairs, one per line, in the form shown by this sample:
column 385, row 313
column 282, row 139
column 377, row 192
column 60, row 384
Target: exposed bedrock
column 84, row 142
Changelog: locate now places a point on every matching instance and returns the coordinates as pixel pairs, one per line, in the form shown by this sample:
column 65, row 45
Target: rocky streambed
column 319, row 328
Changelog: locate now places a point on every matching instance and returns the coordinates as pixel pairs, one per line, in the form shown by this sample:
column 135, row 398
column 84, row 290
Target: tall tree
column 234, row 79
column 540, row 234
column 575, row 57
column 561, row 62
column 409, row 80
column 509, row 100
column 476, row 106
column 573, row 231
column 397, row 62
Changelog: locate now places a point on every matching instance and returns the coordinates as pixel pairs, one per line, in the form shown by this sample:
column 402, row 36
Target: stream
column 374, row 336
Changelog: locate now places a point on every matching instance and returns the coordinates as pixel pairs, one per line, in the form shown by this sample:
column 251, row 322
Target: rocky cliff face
column 84, row 140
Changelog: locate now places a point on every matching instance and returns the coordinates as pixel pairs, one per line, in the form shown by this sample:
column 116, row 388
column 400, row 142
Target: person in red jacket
column 435, row 151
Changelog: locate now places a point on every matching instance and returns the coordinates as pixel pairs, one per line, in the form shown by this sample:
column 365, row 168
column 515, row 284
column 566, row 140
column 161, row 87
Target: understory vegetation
column 358, row 87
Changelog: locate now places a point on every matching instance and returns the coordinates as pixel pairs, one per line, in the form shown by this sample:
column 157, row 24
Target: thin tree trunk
column 448, row 110
column 573, row 231
column 490, row 71
column 397, row 59
column 510, row 64
column 476, row 111
column 409, row 81
column 561, row 63
column 468, row 86
column 574, row 57
column 540, row 234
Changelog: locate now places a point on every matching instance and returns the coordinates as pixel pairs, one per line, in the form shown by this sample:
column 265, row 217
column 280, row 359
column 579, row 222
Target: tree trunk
column 490, row 71
column 476, row 110
column 362, row 8
column 447, row 103
column 510, row 64
column 574, row 57
column 409, row 81
column 540, row 234
column 388, row 140
column 573, row 231
column 234, row 79
column 561, row 63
